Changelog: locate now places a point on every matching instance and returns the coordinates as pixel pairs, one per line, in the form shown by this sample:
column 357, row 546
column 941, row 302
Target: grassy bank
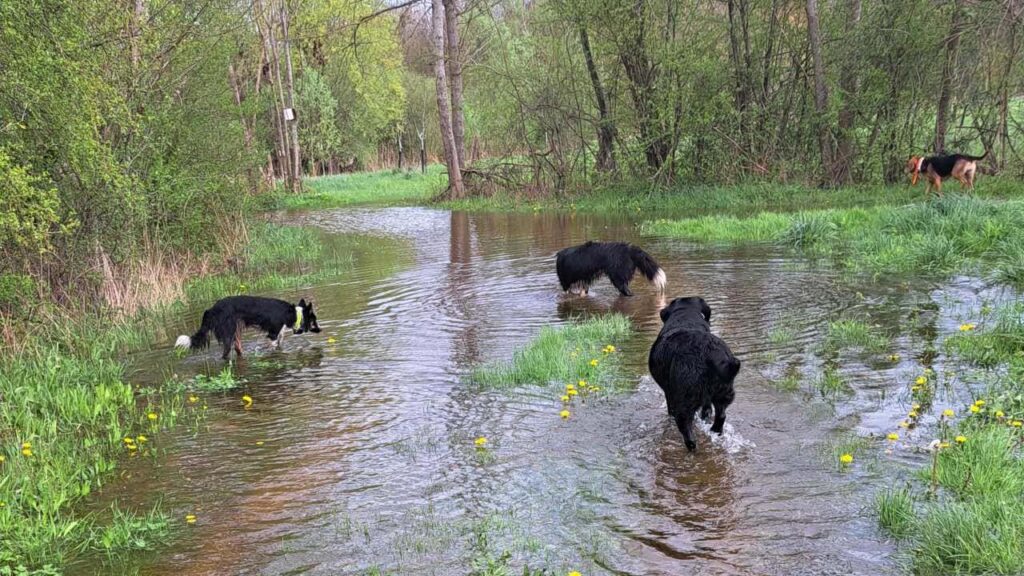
column 385, row 188
column 685, row 200
column 939, row 237
column 68, row 416
column 582, row 350
column 965, row 514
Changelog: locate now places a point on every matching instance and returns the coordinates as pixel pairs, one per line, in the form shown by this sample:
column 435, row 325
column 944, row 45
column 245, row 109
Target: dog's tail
column 976, row 158
column 199, row 340
column 648, row 267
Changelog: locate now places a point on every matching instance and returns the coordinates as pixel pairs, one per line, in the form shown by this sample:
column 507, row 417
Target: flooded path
column 358, row 457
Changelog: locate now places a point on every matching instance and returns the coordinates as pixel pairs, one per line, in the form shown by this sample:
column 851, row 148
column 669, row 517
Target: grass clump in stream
column 895, row 510
column 855, row 333
column 579, row 350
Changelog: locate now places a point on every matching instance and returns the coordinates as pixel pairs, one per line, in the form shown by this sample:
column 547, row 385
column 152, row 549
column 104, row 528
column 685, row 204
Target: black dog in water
column 694, row 367
column 579, row 266
column 229, row 315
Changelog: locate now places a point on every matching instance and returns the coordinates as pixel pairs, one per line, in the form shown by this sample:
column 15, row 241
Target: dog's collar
column 298, row 319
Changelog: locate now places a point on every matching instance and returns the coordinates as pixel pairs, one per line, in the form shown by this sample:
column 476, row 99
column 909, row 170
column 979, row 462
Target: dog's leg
column 938, row 187
column 238, row 339
column 719, row 417
column 684, row 421
column 280, row 337
column 621, row 284
column 705, row 412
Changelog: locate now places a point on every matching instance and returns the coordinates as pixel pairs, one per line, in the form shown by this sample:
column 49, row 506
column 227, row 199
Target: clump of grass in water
column 895, row 509
column 849, row 333
column 561, row 354
column 224, row 380
column 831, row 383
column 1003, row 342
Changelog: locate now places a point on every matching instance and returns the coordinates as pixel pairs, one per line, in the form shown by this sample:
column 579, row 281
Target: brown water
column 367, row 459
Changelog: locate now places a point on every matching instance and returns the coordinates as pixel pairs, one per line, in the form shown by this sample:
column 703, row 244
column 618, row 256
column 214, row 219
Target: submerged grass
column 855, row 333
column 895, row 510
column 938, row 237
column 972, row 521
column 562, row 354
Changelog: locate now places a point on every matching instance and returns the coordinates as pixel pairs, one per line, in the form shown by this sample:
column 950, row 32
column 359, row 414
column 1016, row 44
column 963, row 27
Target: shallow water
column 367, row 462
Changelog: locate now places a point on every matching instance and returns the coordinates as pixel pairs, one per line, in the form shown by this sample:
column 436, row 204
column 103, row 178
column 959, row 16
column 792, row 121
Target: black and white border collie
column 578, row 267
column 230, row 315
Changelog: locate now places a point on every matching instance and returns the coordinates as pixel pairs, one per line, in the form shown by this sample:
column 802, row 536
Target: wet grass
column 938, row 238
column 855, row 333
column 895, row 510
column 969, row 518
column 831, row 383
column 685, row 200
column 576, row 351
column 385, row 188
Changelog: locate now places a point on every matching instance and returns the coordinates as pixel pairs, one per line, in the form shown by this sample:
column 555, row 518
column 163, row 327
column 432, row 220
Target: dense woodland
column 134, row 123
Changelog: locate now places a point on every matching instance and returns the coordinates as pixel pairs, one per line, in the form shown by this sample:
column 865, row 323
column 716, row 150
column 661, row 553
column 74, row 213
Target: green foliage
column 562, row 354
column 895, row 510
column 223, row 380
column 319, row 135
column 29, row 211
column 848, row 333
column 377, row 188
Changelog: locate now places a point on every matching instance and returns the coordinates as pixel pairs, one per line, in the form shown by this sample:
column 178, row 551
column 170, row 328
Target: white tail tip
column 659, row 280
column 183, row 342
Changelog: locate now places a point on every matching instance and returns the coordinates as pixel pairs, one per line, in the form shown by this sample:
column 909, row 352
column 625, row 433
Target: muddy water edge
column 357, row 454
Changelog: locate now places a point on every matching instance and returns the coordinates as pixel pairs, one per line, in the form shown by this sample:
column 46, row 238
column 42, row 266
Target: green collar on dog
column 298, row 319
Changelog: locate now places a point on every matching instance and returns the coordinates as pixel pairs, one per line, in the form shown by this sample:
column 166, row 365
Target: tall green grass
column 940, row 237
column 383, row 188
column 562, row 354
column 895, row 510
column 855, row 333
column 743, row 199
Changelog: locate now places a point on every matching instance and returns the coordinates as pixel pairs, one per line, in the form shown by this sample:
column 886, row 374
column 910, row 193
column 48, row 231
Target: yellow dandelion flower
column 193, row 399
column 921, row 380
column 846, row 458
column 974, row 408
column 129, row 440
column 892, row 436
column 570, row 387
column 912, row 414
column 915, row 406
column 190, row 518
column 904, row 424
column 1016, row 423
column 26, row 445
column 943, row 444
column 979, row 402
column 575, row 573
column 960, row 439
column 564, row 414
column 3, row 458
column 26, row 452
column 915, row 388
column 152, row 416
column 967, row 327
column 480, row 442
column 142, row 439
column 948, row 413
column 594, row 362
column 572, row 392
column 1000, row 414
column 565, row 398
column 582, row 384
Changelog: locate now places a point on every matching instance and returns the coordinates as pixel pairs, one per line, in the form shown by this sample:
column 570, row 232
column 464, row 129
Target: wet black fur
column 618, row 260
column 943, row 165
column 269, row 314
column 694, row 367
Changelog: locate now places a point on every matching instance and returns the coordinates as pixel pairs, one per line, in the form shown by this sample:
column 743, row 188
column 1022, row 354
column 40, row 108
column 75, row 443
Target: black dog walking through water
column 228, row 316
column 694, row 367
column 578, row 267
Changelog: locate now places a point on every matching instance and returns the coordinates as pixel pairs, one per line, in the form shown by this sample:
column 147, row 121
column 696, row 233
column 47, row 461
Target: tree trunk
column 454, row 63
column 848, row 85
column 451, row 158
column 400, row 150
column 423, row 150
column 946, row 88
column 295, row 182
column 606, row 127
column 820, row 90
column 642, row 75
column 270, row 47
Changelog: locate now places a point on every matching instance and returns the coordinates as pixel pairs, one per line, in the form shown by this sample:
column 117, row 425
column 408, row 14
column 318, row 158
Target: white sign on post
column 289, row 114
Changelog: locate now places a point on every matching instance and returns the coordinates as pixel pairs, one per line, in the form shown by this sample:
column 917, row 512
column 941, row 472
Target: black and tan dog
column 934, row 168
column 228, row 316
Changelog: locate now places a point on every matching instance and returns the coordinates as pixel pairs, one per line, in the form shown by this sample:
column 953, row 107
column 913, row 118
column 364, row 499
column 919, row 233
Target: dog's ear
column 302, row 303
column 309, row 306
column 705, row 310
column 665, row 313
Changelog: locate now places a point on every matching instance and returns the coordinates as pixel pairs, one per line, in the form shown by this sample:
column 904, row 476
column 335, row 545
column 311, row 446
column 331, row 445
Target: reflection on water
column 365, row 457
